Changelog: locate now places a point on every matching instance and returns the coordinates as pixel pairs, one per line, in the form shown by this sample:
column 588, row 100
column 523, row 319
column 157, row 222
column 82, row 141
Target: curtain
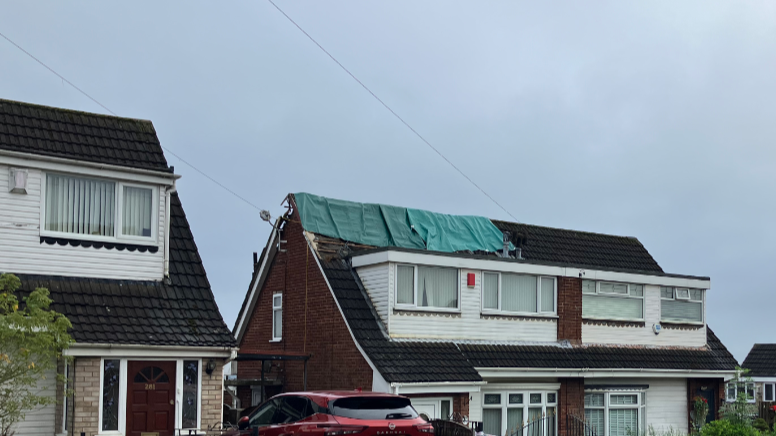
column 595, row 418
column 535, row 414
column 136, row 212
column 548, row 294
column 438, row 287
column 677, row 310
column 489, row 291
column 518, row 293
column 491, row 421
column 623, row 422
column 514, row 419
column 596, row 306
column 405, row 284
column 78, row 205
column 551, row 421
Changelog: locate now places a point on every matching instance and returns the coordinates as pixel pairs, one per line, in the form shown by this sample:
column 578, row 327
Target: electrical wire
column 114, row 114
column 392, row 111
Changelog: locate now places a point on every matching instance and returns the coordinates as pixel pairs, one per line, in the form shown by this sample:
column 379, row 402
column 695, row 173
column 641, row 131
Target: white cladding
column 469, row 323
column 604, row 334
column 22, row 252
column 40, row 421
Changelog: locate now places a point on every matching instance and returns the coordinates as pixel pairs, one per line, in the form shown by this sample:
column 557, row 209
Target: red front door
column 150, row 398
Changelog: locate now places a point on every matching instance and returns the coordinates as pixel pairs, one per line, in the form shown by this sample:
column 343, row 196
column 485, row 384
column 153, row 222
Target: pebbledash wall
column 83, row 406
column 22, row 251
column 312, row 325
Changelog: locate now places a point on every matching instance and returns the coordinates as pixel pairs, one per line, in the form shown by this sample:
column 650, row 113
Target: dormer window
column 427, row 288
column 681, row 305
column 612, row 301
column 518, row 293
column 97, row 209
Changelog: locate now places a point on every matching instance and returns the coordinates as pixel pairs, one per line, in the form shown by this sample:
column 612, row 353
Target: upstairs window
column 277, row 317
column 427, row 287
column 612, row 301
column 98, row 209
column 518, row 293
column 681, row 305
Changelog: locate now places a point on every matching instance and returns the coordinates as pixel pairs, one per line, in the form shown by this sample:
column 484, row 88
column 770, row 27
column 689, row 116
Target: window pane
column 696, row 294
column 682, row 293
column 190, row 393
column 437, row 287
column 78, row 205
column 613, row 288
column 548, row 294
column 277, row 323
column 535, row 414
column 491, row 421
column 623, row 422
column 514, row 419
column 588, row 286
column 595, row 418
column 492, row 398
column 489, row 291
column 550, row 398
column 515, row 398
column 264, row 414
column 750, row 391
column 666, row 292
column 677, row 310
column 594, row 400
column 405, row 284
column 551, row 421
column 518, row 293
column 373, row 408
column 445, row 409
column 110, row 395
column 731, row 392
column 623, row 399
column 769, row 392
column 136, row 212
column 637, row 290
column 597, row 306
column 535, row 398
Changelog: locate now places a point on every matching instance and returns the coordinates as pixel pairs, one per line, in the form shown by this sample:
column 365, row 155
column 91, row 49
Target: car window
column 292, row 409
column 264, row 414
column 374, row 408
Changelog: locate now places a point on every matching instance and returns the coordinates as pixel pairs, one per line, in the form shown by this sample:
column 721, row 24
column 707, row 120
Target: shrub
column 726, row 428
column 760, row 424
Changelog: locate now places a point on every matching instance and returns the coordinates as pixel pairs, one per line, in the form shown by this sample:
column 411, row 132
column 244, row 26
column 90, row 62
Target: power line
column 392, row 111
column 114, row 114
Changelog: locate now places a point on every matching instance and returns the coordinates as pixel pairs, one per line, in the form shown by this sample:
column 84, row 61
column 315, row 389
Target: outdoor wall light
column 210, row 367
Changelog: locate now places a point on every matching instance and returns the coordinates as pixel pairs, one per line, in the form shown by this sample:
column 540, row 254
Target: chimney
column 505, row 248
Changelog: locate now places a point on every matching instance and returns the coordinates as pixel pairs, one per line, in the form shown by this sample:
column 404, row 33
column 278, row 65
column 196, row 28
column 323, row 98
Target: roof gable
column 84, row 136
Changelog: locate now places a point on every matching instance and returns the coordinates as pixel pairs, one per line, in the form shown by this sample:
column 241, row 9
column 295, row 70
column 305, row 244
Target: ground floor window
column 507, row 412
column 433, row 408
column 734, row 389
column 110, row 394
column 769, row 392
column 616, row 413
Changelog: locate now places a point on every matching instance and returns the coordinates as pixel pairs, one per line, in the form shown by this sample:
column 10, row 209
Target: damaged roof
column 761, row 360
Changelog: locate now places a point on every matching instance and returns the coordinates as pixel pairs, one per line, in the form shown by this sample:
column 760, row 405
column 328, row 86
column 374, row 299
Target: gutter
column 100, row 349
column 603, row 372
column 436, row 387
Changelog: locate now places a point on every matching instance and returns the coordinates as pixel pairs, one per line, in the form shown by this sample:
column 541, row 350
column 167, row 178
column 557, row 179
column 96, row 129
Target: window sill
column 276, row 340
column 426, row 312
column 120, row 246
column 614, row 322
column 678, row 325
column 426, row 309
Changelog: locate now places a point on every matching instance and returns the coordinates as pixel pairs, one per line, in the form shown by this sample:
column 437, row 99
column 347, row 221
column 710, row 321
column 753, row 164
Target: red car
column 336, row 413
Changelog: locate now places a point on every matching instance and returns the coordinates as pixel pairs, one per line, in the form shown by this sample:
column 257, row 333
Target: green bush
column 726, row 428
column 760, row 424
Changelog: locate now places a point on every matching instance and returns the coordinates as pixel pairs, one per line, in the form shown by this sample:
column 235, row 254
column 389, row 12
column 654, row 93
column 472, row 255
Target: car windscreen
column 373, row 408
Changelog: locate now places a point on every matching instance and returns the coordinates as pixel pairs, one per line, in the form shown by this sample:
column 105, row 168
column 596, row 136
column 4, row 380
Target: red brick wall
column 570, row 309
column 571, row 399
column 335, row 361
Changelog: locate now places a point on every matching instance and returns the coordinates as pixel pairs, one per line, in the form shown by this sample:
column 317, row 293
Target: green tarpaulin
column 391, row 226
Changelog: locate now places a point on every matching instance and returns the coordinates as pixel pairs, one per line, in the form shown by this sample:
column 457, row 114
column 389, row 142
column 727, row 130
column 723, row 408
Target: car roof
column 333, row 395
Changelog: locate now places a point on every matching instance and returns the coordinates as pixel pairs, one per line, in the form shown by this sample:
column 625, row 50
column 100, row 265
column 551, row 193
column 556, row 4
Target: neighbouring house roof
column 761, row 360
column 180, row 311
column 63, row 133
column 431, row 361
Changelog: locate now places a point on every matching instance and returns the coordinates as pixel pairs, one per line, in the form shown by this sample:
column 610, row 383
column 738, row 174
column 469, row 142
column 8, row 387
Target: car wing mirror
column 243, row 423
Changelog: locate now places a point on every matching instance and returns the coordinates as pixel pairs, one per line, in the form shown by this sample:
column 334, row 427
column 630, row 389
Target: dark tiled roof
column 761, row 360
column 183, row 312
column 30, row 128
column 584, row 249
column 715, row 358
column 427, row 361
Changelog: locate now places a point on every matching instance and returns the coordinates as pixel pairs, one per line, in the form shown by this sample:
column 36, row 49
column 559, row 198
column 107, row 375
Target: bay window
column 507, row 412
column 612, row 301
column 616, row 413
column 518, row 293
column 89, row 208
column 427, row 287
column 681, row 305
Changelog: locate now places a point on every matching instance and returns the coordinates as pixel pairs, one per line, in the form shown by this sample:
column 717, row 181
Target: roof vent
column 506, row 239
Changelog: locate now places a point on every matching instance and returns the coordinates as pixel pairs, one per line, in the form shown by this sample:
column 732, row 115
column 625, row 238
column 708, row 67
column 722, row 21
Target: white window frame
column 526, row 404
column 436, row 401
column 414, row 305
column 123, row 365
column 737, row 387
column 598, row 293
column 773, row 392
column 117, row 237
column 702, row 302
column 275, row 309
column 538, row 312
column 640, row 406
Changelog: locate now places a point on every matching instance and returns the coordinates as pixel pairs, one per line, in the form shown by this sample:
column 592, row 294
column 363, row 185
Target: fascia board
column 436, row 388
column 506, row 373
column 110, row 350
column 524, row 268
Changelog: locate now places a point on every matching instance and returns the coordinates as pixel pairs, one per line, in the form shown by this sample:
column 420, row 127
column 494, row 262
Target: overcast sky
column 650, row 119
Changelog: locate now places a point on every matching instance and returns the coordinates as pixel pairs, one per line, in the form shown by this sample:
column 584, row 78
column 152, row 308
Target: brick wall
column 571, row 400
column 570, row 309
column 212, row 395
column 87, row 396
column 312, row 324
